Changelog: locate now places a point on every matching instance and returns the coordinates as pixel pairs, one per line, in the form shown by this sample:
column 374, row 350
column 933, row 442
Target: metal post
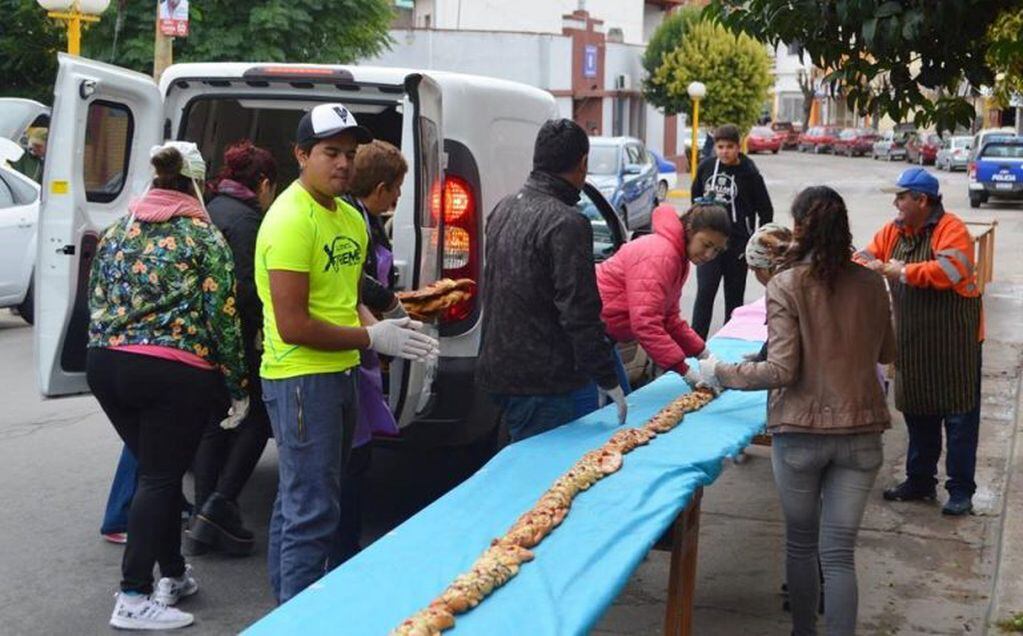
column 693, row 150
column 74, row 32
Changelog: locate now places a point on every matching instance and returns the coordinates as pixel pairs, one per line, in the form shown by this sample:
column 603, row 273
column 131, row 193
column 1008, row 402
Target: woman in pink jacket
column 641, row 285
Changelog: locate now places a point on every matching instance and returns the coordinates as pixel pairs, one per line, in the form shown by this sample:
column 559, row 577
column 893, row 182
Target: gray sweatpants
column 824, row 482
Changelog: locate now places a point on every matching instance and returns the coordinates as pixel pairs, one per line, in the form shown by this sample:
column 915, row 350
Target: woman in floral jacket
column 164, row 337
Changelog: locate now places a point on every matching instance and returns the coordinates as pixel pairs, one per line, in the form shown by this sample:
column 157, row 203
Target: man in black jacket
column 542, row 334
column 733, row 180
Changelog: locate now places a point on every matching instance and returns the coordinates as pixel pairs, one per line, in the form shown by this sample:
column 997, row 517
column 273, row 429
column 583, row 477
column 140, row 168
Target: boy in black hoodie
column 734, row 181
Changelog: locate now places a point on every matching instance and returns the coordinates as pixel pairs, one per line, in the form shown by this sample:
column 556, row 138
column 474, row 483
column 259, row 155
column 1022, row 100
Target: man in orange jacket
column 926, row 254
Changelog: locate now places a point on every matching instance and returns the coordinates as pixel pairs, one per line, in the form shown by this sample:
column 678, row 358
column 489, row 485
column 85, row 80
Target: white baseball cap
column 329, row 120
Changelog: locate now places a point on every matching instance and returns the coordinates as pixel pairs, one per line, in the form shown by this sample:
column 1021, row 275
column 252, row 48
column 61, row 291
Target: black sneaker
column 910, row 492
column 958, row 505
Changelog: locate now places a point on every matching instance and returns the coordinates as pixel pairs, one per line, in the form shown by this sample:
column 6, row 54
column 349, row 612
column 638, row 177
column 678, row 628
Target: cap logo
column 342, row 112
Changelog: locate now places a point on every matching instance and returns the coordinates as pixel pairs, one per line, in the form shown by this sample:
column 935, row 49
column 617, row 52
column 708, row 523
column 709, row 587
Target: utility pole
column 163, row 52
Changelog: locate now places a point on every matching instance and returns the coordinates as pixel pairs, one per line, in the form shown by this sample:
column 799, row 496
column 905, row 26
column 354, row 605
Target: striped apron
column 938, row 358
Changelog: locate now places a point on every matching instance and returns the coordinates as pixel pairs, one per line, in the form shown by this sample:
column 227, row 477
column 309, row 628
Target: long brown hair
column 822, row 233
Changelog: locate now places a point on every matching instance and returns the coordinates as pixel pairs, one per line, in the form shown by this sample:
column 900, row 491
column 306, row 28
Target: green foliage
column 1013, row 624
column 668, row 36
column 1005, row 53
column 735, row 68
column 881, row 54
column 28, row 46
column 325, row 31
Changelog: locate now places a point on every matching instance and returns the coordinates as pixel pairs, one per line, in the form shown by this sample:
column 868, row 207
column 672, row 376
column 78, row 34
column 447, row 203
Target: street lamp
column 697, row 91
column 74, row 12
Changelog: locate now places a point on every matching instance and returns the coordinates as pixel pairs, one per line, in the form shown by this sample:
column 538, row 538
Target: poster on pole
column 173, row 17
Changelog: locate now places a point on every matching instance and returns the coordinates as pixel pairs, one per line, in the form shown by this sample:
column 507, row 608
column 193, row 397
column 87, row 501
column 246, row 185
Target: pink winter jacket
column 640, row 288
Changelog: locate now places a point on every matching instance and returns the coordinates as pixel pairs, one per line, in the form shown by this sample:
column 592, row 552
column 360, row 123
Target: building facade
column 589, row 61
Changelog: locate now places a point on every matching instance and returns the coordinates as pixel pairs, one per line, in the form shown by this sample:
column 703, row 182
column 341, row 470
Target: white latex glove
column 400, row 338
column 708, row 370
column 239, row 409
column 398, row 311
column 693, row 377
column 617, row 395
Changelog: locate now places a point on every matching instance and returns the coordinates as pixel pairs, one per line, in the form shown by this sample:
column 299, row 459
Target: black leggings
column 159, row 408
column 226, row 459
column 730, row 267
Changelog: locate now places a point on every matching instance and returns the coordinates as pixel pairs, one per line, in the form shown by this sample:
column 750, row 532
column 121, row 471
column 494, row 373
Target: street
column 919, row 572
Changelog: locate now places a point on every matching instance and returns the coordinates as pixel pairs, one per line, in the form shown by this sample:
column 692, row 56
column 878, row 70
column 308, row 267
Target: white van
column 468, row 141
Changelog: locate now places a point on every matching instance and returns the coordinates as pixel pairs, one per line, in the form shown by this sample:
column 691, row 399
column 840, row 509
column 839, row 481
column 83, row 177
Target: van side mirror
column 633, row 168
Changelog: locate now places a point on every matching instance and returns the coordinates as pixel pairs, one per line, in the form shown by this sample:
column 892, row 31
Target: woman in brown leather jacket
column 829, row 324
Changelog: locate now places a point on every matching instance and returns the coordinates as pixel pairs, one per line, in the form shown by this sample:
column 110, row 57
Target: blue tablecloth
column 579, row 568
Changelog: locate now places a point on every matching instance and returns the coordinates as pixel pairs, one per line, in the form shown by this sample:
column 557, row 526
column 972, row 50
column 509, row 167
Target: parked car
column 17, row 115
column 954, row 153
column 19, row 216
column 997, row 171
column 788, row 133
column 891, row 146
column 626, row 174
column 855, row 142
column 667, row 176
column 701, row 139
column 472, row 136
column 922, row 148
column 762, row 139
column 818, row 139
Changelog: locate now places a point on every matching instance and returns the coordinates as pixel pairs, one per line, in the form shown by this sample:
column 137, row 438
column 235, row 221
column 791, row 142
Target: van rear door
column 418, row 232
column 105, row 120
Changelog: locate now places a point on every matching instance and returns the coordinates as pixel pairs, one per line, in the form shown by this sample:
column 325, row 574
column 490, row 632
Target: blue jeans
column 587, row 399
column 824, row 482
column 122, row 489
column 313, row 417
column 528, row 415
column 961, row 433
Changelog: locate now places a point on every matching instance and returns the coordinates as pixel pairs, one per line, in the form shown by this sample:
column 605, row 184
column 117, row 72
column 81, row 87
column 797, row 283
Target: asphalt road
column 57, row 456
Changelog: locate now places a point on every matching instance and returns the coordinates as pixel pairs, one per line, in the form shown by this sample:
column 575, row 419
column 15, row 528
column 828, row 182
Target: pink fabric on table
column 168, row 353
column 748, row 322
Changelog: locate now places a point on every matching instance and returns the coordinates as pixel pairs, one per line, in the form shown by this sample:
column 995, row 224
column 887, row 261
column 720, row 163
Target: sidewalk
column 919, row 572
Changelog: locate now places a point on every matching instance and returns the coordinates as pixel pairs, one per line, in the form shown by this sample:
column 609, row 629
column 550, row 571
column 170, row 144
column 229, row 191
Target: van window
column 430, row 185
column 6, row 195
column 108, row 134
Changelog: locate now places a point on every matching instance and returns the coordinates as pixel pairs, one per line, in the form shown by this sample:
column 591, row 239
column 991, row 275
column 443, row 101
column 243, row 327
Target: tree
column 884, row 55
column 735, row 68
column 28, row 41
column 668, row 36
column 808, row 86
column 326, row 31
column 1005, row 53
column 335, row 31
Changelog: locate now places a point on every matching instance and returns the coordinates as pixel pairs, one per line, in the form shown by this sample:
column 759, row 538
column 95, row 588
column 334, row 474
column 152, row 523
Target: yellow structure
column 74, row 13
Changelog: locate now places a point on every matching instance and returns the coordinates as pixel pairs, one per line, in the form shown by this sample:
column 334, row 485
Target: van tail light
column 461, row 240
column 971, row 168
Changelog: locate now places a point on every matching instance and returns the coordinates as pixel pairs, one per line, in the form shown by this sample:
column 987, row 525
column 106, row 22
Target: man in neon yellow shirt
column 309, row 260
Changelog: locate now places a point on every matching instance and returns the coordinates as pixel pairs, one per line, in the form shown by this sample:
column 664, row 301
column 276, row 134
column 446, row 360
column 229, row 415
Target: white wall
column 544, row 61
column 654, row 129
column 537, row 16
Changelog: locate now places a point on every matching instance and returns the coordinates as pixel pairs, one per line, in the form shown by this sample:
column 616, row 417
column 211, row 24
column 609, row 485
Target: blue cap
column 915, row 180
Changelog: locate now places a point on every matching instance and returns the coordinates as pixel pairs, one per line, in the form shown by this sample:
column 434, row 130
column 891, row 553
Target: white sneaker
column 141, row 612
column 171, row 590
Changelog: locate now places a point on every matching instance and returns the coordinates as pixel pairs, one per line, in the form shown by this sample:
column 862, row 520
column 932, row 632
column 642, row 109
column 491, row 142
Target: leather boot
column 219, row 525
